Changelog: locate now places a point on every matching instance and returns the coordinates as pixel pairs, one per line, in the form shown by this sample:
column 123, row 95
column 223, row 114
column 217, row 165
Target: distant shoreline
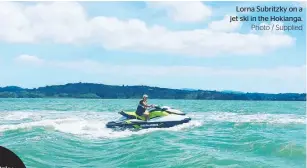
column 102, row 91
column 150, row 99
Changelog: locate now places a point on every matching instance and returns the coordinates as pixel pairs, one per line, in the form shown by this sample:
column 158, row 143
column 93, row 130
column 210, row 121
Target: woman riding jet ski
column 141, row 109
column 155, row 117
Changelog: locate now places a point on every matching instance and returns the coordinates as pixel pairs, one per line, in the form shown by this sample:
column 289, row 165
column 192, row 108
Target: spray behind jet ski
column 159, row 117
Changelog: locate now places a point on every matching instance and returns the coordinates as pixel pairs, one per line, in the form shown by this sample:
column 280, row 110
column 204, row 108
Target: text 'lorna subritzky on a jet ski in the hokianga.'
column 271, row 18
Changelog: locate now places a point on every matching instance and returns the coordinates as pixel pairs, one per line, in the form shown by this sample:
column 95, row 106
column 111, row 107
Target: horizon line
column 187, row 89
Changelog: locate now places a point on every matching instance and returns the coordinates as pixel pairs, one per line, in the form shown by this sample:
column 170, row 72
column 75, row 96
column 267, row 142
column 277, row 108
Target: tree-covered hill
column 101, row 91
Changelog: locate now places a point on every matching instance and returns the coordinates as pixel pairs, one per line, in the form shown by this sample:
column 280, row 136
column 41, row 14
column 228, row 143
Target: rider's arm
column 145, row 105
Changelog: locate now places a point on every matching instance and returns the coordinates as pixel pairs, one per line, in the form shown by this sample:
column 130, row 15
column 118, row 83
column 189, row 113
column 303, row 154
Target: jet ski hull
column 133, row 115
column 164, row 117
column 145, row 124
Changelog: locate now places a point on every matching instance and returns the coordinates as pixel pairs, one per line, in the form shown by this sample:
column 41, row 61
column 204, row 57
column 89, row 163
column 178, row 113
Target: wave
column 92, row 124
column 15, row 115
column 257, row 118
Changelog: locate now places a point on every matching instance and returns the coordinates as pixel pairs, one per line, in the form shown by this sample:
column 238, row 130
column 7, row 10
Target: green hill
column 101, row 91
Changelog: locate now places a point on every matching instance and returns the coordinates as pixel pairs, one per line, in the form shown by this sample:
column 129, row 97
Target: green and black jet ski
column 160, row 117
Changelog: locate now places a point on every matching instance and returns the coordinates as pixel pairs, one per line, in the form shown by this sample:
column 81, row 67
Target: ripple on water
column 233, row 138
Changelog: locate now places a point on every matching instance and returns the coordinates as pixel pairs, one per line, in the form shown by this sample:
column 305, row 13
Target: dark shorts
column 140, row 110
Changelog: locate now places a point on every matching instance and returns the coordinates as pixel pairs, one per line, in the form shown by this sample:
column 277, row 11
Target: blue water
column 72, row 133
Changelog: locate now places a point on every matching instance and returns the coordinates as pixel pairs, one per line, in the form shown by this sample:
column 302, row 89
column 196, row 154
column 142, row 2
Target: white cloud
column 67, row 22
column 29, row 59
column 303, row 4
column 225, row 25
column 63, row 22
column 184, row 11
column 300, row 4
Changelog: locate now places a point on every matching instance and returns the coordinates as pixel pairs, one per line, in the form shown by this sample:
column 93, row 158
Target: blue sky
column 165, row 44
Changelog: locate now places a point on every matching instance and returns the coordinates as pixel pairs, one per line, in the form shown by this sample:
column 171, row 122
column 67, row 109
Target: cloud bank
column 68, row 23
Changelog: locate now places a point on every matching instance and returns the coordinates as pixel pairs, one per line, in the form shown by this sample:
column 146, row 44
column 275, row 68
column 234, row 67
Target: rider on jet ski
column 141, row 109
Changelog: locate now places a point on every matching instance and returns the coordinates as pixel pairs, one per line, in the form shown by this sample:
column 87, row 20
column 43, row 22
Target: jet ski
column 159, row 117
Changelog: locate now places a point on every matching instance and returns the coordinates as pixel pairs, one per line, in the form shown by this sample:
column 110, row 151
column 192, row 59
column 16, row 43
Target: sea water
column 72, row 133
